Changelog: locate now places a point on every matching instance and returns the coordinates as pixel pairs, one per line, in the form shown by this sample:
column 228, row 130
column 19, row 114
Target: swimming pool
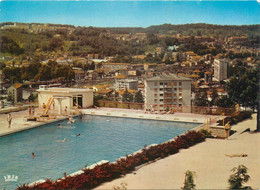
column 101, row 138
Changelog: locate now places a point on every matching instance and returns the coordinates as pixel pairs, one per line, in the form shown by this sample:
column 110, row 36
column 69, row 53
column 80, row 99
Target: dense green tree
column 127, row 97
column 171, row 41
column 152, row 39
column 2, row 65
column 55, row 43
column 224, row 102
column 9, row 46
column 13, row 74
column 139, row 97
column 243, row 90
column 201, row 99
column 214, row 97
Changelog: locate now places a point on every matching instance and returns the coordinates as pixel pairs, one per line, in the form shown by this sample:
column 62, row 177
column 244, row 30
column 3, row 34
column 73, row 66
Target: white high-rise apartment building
column 167, row 91
column 220, row 69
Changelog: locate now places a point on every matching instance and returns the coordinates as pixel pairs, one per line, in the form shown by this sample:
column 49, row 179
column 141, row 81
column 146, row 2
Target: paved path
column 207, row 159
column 131, row 113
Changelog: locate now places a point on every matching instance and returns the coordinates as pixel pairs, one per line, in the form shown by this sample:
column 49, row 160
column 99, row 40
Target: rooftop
column 17, row 85
column 63, row 90
column 167, row 77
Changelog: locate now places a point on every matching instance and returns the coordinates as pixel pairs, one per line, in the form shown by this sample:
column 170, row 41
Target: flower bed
column 92, row 178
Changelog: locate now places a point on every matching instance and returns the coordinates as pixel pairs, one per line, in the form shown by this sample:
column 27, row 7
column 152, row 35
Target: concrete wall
column 217, row 132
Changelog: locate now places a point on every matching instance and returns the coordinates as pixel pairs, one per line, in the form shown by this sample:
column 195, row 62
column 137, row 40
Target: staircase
column 48, row 106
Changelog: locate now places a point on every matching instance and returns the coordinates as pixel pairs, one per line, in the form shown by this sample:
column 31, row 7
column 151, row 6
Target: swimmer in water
column 62, row 140
column 59, row 125
column 71, row 120
column 78, row 135
column 33, row 155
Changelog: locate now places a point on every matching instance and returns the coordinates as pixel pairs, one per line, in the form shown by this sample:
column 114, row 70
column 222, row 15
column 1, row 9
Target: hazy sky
column 131, row 13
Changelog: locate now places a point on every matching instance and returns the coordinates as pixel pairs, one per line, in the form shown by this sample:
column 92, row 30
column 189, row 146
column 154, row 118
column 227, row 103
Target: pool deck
column 19, row 122
column 206, row 159
column 140, row 114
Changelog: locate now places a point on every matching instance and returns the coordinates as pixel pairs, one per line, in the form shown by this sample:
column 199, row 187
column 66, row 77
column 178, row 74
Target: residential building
column 208, row 77
column 79, row 73
column 166, row 91
column 123, row 83
column 16, row 92
column 115, row 66
column 149, row 66
column 220, row 69
column 93, row 56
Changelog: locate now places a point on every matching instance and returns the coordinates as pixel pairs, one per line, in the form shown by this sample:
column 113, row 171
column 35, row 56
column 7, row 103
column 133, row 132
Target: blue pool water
column 102, row 138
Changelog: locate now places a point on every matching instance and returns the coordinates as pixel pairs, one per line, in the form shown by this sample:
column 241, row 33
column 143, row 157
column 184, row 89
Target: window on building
column 161, row 100
column 161, row 89
column 175, row 89
column 161, row 94
column 155, row 84
column 180, row 83
column 155, row 95
column 180, row 94
column 175, row 83
column 161, row 83
column 155, row 90
column 169, row 83
column 155, row 100
column 175, row 95
column 180, row 89
column 175, row 100
column 165, row 83
column 77, row 101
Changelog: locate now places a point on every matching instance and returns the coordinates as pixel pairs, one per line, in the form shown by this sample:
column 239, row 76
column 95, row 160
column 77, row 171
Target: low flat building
column 60, row 98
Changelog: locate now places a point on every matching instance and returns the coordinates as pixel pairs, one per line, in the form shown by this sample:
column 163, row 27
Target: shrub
column 205, row 133
column 239, row 177
column 189, row 180
column 236, row 117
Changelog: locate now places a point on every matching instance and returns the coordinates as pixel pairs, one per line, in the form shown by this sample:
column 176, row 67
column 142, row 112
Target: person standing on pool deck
column 29, row 110
column 9, row 119
column 227, row 129
column 33, row 110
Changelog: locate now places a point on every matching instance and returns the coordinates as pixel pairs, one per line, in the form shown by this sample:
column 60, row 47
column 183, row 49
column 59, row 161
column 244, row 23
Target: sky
column 130, row 13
